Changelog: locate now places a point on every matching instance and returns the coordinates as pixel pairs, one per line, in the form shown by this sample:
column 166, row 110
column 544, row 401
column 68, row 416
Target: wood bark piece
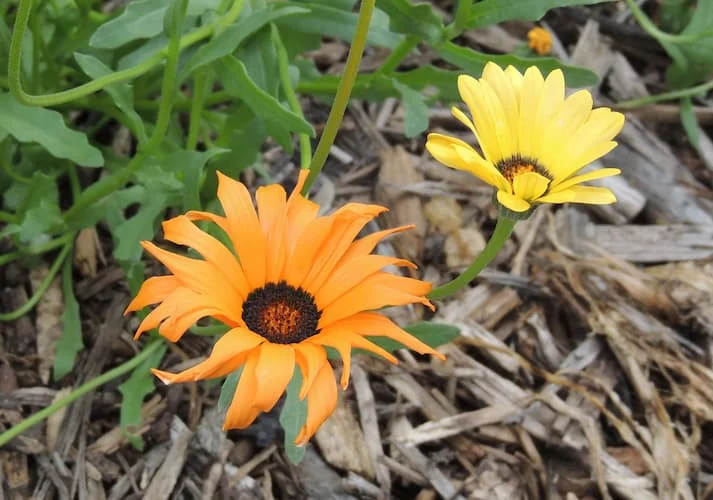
column 635, row 243
column 166, row 477
column 397, row 171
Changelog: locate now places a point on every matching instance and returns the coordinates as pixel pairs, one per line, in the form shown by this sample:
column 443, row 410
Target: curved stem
column 7, row 217
column 32, row 301
column 502, row 231
column 200, row 80
column 294, row 103
column 656, row 33
column 400, row 52
column 15, row 61
column 102, row 379
column 35, row 250
column 341, row 100
column 667, row 96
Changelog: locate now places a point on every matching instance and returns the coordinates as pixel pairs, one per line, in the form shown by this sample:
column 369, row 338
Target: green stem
column 656, row 33
column 292, row 101
column 341, row 100
column 32, row 301
column 35, row 250
column 400, row 52
column 200, row 81
column 7, row 217
column 502, row 231
column 89, row 386
column 667, row 96
column 15, row 61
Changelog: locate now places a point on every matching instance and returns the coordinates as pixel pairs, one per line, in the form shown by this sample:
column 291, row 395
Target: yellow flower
column 293, row 283
column 534, row 140
column 540, row 40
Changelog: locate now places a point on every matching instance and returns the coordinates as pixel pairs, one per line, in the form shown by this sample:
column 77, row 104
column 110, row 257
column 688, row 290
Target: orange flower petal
column 310, row 358
column 378, row 325
column 182, row 231
column 321, row 402
column 367, row 244
column 153, row 291
column 241, row 412
column 200, row 276
column 301, row 212
column 377, row 291
column 274, row 370
column 349, row 221
column 308, row 245
column 243, row 228
column 341, row 341
column 352, row 272
column 272, row 211
column 228, row 354
column 181, row 301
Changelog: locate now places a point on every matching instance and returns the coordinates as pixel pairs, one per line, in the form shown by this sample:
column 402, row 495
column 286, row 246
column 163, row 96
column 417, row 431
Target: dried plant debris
column 584, row 366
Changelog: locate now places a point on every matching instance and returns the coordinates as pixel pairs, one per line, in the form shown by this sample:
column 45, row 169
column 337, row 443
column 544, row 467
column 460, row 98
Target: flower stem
column 666, row 96
column 341, row 99
column 80, row 391
column 502, row 232
column 400, row 52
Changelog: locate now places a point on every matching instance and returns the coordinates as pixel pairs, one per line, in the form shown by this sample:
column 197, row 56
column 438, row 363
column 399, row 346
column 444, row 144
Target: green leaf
column 46, row 127
column 293, row 417
column 121, row 93
column 189, row 165
column 141, row 19
column 473, row 62
column 238, row 83
column 133, row 391
column 70, row 343
column 174, row 17
column 227, row 391
column 432, row 334
column 692, row 59
column 333, row 22
column 230, row 39
column 689, row 121
column 413, row 19
column 128, row 234
column 416, row 119
column 489, row 12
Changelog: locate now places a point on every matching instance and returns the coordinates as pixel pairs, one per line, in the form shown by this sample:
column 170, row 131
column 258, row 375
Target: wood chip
column 167, row 475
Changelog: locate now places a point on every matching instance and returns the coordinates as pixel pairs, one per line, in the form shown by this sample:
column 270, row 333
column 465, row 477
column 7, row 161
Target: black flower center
column 516, row 165
column 281, row 313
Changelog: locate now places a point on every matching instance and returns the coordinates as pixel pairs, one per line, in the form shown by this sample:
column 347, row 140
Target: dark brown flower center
column 281, row 313
column 512, row 167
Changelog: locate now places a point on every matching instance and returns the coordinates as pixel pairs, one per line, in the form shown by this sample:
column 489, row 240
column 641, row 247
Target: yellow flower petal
column 529, row 186
column 589, row 176
column 590, row 195
column 529, row 99
column 512, row 202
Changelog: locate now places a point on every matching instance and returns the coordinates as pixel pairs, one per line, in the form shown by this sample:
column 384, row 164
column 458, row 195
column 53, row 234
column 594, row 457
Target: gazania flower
column 540, row 40
column 534, row 140
column 292, row 284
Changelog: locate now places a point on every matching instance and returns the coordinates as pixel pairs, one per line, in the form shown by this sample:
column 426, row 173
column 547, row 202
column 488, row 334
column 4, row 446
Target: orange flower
column 540, row 40
column 296, row 283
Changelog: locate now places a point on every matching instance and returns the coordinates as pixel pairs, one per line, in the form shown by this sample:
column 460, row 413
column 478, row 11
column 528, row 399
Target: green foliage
column 292, row 418
column 140, row 383
column 432, row 334
column 413, row 19
column 487, row 12
column 227, row 390
column 692, row 61
column 70, row 343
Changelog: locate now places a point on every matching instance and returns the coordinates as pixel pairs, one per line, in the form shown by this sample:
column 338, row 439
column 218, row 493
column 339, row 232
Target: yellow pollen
column 511, row 170
column 540, row 40
column 279, row 318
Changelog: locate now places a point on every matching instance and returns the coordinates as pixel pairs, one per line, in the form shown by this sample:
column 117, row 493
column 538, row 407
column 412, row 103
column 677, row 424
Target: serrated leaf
column 70, row 343
column 293, row 417
column 418, row 19
column 432, row 334
column 227, row 390
column 689, row 121
column 121, row 93
column 416, row 119
column 133, row 391
column 47, row 128
column 334, row 22
column 238, row 83
column 473, row 62
column 230, row 39
column 489, row 12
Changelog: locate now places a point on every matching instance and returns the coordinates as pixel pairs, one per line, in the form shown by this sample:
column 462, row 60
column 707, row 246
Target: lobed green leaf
column 413, row 19
column 70, row 343
column 489, row 12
